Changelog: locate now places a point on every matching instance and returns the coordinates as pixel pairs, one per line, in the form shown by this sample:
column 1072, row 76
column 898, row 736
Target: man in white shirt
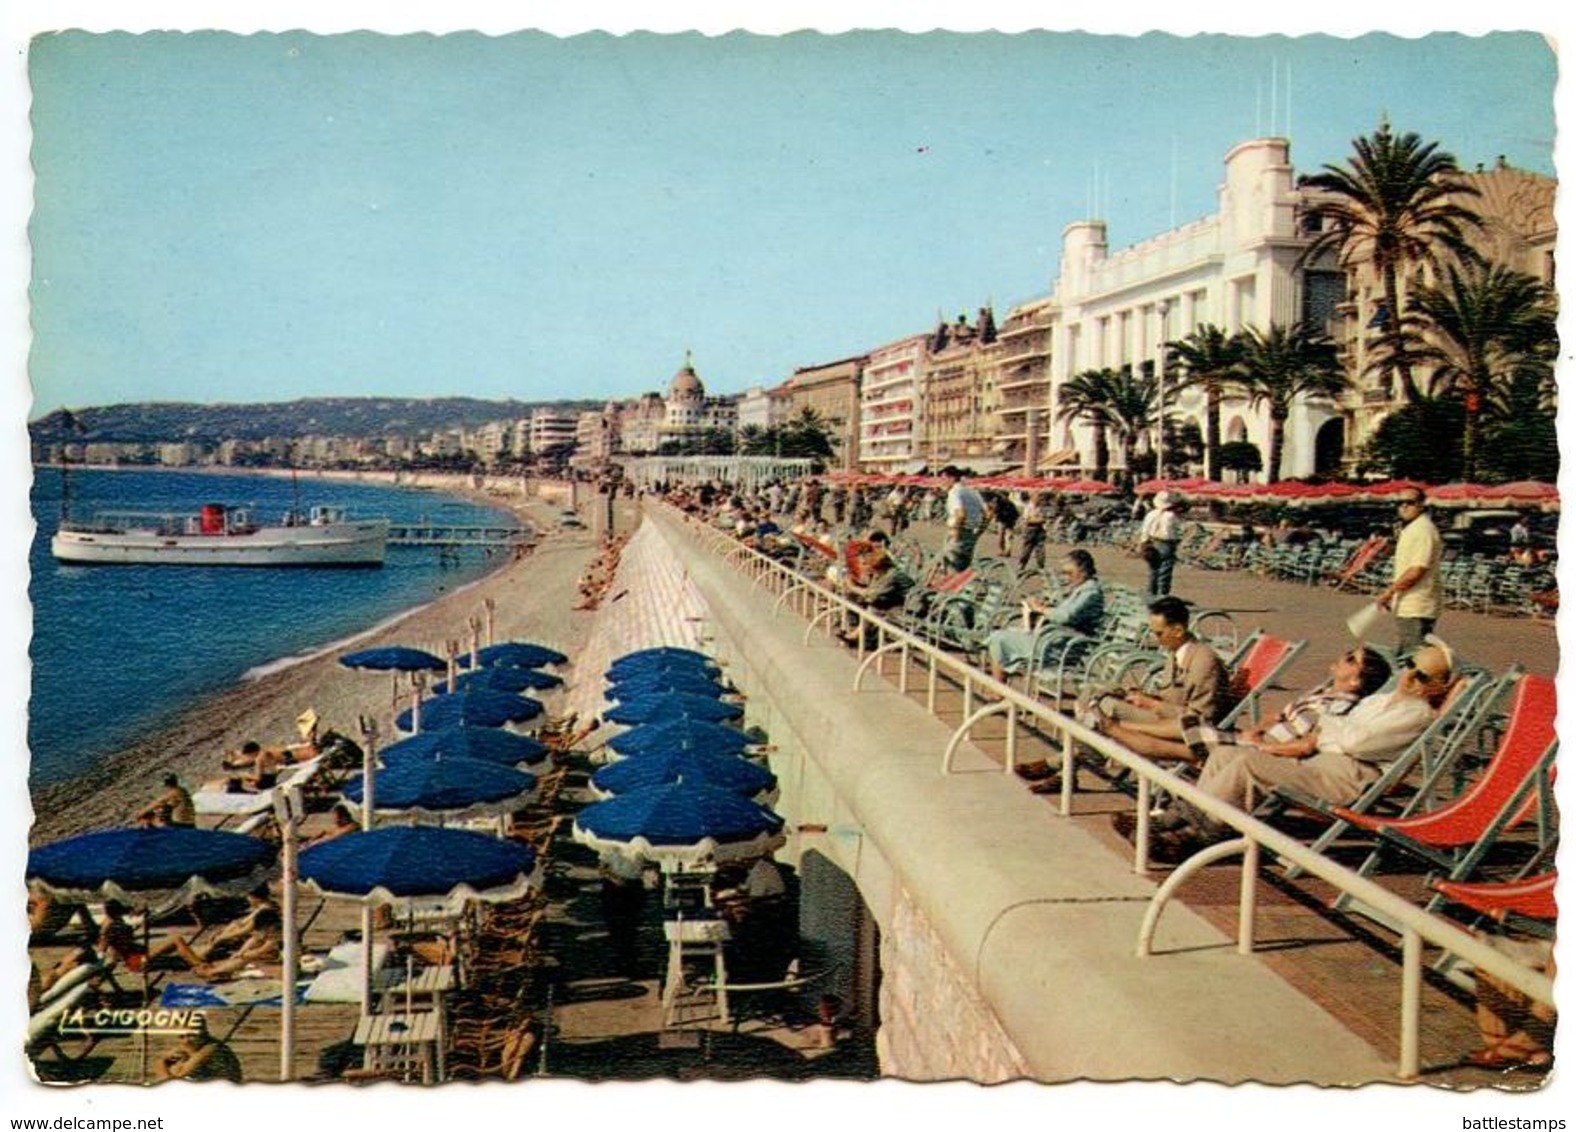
column 1335, row 761
column 965, row 518
column 1160, row 533
column 1415, row 594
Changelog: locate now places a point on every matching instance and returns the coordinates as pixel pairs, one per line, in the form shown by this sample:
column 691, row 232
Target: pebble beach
column 533, row 598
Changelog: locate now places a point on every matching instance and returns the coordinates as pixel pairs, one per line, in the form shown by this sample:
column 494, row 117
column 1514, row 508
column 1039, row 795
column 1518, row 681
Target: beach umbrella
column 479, row 708
column 407, row 866
column 679, row 764
column 672, row 705
column 446, row 788
column 401, row 864
column 680, row 824
column 514, row 654
column 397, row 658
column 662, row 653
column 658, row 683
column 151, row 866
column 487, row 744
column 681, row 734
column 501, row 679
column 659, row 666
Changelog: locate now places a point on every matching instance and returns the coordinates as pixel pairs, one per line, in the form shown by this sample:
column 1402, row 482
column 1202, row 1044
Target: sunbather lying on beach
column 344, row 823
column 115, row 942
column 254, row 938
column 48, row 917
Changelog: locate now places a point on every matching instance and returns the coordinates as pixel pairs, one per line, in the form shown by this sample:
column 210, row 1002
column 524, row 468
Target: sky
column 223, row 217
column 225, row 220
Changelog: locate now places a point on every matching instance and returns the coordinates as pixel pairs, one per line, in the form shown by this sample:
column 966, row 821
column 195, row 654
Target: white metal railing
column 821, row 605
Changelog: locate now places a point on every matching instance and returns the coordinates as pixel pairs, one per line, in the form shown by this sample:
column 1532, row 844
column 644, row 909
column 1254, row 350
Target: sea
column 118, row 651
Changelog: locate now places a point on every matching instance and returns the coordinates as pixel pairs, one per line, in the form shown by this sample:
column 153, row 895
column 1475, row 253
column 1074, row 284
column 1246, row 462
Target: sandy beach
column 533, row 597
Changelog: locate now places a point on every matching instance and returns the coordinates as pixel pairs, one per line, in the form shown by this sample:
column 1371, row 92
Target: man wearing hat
column 1415, row 589
column 1160, row 532
column 965, row 518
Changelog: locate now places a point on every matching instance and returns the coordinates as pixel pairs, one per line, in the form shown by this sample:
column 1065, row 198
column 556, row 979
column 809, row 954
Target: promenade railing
column 825, row 610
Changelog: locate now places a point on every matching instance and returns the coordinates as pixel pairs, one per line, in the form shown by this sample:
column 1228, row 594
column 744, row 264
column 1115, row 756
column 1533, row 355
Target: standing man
column 1031, row 543
column 1160, row 532
column 965, row 518
column 1414, row 595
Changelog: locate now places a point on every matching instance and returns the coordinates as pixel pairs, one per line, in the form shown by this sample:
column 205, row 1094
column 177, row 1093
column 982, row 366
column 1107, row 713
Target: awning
column 1062, row 457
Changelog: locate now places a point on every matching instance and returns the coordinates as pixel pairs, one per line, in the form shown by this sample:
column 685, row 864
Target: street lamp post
column 1163, row 307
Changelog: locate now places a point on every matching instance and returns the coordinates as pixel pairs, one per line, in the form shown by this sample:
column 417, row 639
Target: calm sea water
column 117, row 650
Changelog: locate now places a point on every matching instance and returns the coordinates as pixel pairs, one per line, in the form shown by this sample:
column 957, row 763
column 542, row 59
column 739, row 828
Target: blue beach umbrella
column 500, row 680
column 658, row 685
column 146, row 867
column 515, row 654
column 446, row 787
column 398, row 658
column 672, row 705
column 683, row 734
column 628, row 666
column 701, row 767
column 663, row 652
column 487, row 744
column 418, row 862
column 683, row 823
column 480, row 708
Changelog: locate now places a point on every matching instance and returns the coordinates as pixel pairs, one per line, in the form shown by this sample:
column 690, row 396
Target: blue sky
column 223, row 217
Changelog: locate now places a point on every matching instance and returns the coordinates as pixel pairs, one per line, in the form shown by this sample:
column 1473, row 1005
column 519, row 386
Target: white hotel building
column 1236, row 268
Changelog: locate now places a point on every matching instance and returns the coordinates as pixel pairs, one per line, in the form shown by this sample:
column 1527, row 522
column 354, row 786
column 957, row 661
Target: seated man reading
column 1335, row 761
column 1193, row 683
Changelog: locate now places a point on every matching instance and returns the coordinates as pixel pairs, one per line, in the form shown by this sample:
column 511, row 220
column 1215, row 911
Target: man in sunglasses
column 1414, row 593
column 1335, row 761
column 1354, row 675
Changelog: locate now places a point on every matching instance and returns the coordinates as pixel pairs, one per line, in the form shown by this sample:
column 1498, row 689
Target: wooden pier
column 447, row 535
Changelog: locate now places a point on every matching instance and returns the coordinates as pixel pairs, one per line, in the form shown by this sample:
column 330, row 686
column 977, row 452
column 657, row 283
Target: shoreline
column 532, row 596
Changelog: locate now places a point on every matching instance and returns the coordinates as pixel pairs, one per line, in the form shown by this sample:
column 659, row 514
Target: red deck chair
column 1360, row 560
column 1532, row 897
column 1258, row 669
column 1516, row 783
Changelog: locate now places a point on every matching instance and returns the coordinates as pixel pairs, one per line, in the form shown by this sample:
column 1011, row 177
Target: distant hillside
column 323, row 416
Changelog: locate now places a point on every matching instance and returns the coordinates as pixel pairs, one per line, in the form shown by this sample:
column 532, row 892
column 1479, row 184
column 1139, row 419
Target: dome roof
column 685, row 384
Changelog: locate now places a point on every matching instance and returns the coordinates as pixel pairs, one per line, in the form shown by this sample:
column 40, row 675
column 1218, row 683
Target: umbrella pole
column 454, row 665
column 285, row 810
column 489, row 605
column 142, row 1031
column 368, row 805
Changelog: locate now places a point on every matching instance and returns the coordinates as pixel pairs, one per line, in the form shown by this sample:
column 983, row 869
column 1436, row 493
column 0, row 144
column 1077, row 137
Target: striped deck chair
column 1515, row 785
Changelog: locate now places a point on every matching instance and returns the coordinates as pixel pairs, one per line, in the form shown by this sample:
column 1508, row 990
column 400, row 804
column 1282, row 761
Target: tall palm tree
column 1478, row 328
column 1086, row 396
column 1395, row 204
column 1281, row 366
column 1208, row 359
column 1130, row 409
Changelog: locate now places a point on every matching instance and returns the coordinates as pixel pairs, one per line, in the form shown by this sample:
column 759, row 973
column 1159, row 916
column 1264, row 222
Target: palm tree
column 1282, row 365
column 1478, row 329
column 1130, row 409
column 1085, row 396
column 1208, row 358
column 1396, row 205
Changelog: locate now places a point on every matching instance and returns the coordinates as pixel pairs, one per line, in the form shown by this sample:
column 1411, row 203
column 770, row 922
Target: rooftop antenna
column 1274, row 89
column 1288, row 100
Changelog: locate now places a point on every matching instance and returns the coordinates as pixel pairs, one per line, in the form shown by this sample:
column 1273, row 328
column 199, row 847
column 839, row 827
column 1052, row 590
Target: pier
column 447, row 535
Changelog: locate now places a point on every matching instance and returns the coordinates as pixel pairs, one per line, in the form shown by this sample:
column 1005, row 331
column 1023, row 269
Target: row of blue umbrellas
column 681, row 793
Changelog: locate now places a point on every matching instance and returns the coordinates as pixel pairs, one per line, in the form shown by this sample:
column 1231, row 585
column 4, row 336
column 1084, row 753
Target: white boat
column 223, row 536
